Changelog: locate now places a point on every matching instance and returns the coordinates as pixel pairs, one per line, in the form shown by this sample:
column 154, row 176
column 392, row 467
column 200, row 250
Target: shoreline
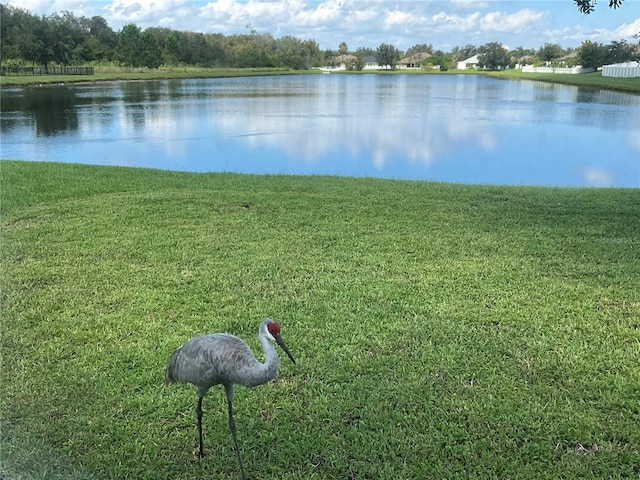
column 143, row 76
column 588, row 80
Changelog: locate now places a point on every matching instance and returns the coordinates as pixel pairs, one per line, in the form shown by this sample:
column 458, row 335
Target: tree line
column 66, row 39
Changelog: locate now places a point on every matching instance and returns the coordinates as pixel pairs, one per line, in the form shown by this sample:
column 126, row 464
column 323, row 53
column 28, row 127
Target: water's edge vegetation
column 440, row 330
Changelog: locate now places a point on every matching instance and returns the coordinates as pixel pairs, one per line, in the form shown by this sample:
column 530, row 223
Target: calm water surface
column 466, row 129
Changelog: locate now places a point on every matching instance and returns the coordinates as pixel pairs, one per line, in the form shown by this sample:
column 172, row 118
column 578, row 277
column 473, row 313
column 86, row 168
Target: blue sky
column 368, row 23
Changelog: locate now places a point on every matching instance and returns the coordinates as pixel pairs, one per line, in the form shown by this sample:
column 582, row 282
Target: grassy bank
column 105, row 74
column 440, row 331
column 593, row 80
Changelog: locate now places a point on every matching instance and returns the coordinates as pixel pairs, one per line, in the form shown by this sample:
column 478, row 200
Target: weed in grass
column 440, row 331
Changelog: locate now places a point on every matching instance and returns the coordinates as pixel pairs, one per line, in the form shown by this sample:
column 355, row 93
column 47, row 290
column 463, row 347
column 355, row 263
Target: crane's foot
column 197, row 453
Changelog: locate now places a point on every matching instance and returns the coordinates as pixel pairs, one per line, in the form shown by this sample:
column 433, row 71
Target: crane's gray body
column 220, row 358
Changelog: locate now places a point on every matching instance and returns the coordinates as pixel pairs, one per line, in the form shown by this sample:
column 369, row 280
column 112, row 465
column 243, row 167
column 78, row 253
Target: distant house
column 471, row 62
column 343, row 60
column 526, row 60
column 570, row 56
column 370, row 62
column 339, row 62
column 414, row 61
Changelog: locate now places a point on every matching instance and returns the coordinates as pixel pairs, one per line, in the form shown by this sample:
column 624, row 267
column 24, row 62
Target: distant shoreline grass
column 107, row 74
column 114, row 74
column 592, row 80
column 440, row 331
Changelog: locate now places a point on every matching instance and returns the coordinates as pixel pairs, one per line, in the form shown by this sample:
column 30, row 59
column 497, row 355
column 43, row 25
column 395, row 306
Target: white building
column 471, row 62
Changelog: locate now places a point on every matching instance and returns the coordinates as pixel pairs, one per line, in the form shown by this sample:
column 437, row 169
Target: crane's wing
column 209, row 360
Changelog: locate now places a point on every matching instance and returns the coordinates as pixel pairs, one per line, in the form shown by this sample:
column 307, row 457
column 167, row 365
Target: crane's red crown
column 274, row 328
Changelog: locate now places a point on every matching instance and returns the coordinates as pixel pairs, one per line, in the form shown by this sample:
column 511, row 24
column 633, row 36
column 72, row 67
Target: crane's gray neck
column 267, row 370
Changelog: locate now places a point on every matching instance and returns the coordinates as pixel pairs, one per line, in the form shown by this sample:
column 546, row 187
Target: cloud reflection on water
column 466, row 129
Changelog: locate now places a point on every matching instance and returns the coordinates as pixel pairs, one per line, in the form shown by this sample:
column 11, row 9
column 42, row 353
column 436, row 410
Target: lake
column 453, row 128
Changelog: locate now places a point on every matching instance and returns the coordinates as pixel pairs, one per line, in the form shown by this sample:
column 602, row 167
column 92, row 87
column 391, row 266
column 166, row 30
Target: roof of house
column 473, row 59
column 344, row 58
column 416, row 58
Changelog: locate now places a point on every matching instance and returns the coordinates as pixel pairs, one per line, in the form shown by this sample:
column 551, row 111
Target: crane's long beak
column 284, row 347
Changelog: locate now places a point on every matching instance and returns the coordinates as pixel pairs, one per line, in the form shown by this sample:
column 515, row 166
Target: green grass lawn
column 440, row 331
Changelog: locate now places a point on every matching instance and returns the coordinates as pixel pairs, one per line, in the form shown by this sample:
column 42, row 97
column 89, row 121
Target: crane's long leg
column 232, row 427
column 199, row 413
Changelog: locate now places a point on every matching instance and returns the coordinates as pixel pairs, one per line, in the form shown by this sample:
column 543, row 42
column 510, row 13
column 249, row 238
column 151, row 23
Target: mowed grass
column 440, row 331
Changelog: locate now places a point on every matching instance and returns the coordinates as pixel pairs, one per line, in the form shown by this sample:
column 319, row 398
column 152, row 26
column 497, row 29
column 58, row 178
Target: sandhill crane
column 220, row 358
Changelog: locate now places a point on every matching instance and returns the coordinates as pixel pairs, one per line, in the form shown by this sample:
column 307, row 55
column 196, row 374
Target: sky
column 368, row 23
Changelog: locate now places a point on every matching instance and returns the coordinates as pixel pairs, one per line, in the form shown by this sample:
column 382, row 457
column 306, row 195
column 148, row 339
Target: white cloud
column 400, row 19
column 456, row 23
column 366, row 23
column 628, row 30
column 469, row 4
column 598, row 178
column 147, row 13
column 324, row 14
column 516, row 22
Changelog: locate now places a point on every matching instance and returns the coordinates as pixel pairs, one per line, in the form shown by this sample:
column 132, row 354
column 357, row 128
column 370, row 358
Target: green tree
column 520, row 54
column 462, row 53
column 198, row 50
column 493, row 56
column 420, row 48
column 293, row 53
column 591, row 54
column 254, row 50
column 99, row 40
column 618, row 52
column 128, row 46
column 387, row 54
column 42, row 48
column 100, row 29
column 25, row 37
column 365, row 52
column 358, row 63
column 342, row 50
column 550, row 52
column 216, row 50
column 136, row 48
column 171, row 50
column 439, row 58
column 150, row 53
column 17, row 32
column 66, row 36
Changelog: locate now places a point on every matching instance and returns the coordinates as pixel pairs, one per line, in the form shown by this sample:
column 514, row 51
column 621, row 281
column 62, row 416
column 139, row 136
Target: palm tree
column 343, row 50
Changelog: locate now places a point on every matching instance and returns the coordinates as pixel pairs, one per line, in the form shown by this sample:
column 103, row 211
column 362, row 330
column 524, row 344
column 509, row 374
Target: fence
column 574, row 70
column 57, row 70
column 624, row 70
